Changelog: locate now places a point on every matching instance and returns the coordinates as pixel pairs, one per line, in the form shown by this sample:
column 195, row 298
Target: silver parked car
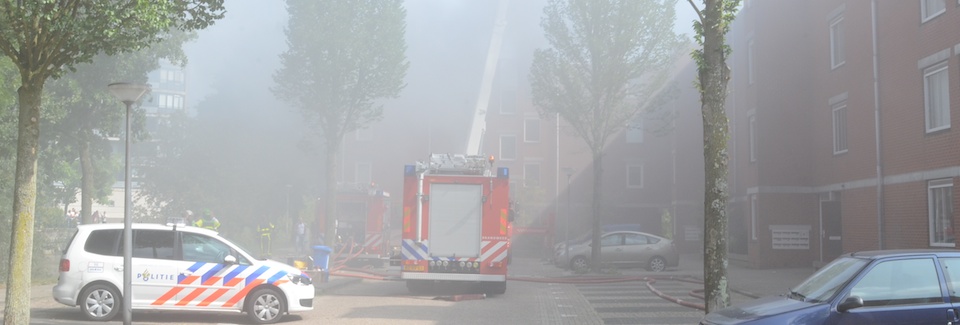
column 624, row 248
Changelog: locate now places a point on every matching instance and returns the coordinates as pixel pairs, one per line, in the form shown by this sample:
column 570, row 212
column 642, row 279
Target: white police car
column 176, row 268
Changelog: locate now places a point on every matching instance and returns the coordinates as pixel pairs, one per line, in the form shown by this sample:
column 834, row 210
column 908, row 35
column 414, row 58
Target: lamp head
column 127, row 92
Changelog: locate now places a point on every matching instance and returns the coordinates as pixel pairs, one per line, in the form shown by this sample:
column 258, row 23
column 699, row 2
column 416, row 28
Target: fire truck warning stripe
column 493, row 251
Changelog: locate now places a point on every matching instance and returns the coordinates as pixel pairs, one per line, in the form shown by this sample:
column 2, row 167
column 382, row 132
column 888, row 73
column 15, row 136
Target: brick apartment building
column 841, row 137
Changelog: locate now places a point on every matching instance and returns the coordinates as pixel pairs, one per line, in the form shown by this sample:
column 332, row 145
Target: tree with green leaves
column 45, row 39
column 714, row 21
column 343, row 56
column 91, row 114
column 607, row 61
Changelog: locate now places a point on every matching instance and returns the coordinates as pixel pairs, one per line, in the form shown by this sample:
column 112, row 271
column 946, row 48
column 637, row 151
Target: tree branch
column 699, row 13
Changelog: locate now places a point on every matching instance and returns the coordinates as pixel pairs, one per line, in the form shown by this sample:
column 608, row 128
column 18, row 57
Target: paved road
column 541, row 294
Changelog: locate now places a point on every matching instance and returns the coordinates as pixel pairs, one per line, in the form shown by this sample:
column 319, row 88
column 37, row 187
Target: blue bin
column 321, row 257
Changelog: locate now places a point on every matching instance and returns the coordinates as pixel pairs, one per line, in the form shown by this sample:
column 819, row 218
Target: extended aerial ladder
column 478, row 125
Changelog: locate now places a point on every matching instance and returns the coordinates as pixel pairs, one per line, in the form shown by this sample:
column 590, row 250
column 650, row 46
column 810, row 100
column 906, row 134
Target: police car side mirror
column 229, row 259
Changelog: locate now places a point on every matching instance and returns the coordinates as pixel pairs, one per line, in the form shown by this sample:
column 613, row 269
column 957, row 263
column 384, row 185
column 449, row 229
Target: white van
column 176, row 267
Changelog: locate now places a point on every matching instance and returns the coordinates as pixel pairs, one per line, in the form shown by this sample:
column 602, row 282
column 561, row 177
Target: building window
column 171, row 76
column 840, row 128
column 940, row 211
column 634, row 176
column 931, row 8
column 753, row 137
column 169, row 101
column 836, row 43
column 364, row 169
column 936, row 93
column 508, row 147
column 508, row 101
column 531, row 175
column 750, row 55
column 634, row 131
column 753, row 217
column 531, row 130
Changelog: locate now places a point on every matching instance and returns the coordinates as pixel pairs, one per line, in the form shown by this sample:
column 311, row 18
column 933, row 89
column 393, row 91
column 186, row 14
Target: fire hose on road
column 344, row 254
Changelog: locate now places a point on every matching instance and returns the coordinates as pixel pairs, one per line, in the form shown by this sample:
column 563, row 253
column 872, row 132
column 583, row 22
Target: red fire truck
column 362, row 222
column 455, row 223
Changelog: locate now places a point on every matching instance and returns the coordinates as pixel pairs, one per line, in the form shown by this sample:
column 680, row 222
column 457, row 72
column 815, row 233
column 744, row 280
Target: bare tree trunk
column 86, row 178
column 595, row 206
column 713, row 82
column 17, row 310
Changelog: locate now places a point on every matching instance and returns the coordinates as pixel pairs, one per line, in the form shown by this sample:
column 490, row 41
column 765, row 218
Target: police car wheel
column 100, row 302
column 265, row 306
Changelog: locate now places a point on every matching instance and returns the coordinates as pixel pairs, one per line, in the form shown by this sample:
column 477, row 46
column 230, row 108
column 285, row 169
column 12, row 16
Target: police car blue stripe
column 256, row 274
column 193, row 268
column 276, row 277
column 209, row 274
column 236, row 271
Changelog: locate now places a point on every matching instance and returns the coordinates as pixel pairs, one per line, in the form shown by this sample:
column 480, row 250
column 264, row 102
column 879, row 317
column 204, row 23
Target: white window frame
column 363, row 173
column 938, row 210
column 925, row 15
column 531, row 130
column 512, row 139
column 840, row 128
column 631, row 182
column 941, row 113
column 837, row 55
column 752, row 128
column 530, row 176
column 750, row 55
column 753, row 216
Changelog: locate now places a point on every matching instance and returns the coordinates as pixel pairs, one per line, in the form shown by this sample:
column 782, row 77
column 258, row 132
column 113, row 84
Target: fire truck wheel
column 657, row 264
column 495, row 288
column 579, row 264
column 265, row 306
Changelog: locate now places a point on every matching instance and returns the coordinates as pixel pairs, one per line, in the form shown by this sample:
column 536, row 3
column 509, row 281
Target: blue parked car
column 874, row 287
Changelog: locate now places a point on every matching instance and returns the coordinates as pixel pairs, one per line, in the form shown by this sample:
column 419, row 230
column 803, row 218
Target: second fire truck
column 456, row 214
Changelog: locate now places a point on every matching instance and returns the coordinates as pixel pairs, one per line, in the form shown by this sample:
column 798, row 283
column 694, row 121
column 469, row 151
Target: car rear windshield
column 104, row 242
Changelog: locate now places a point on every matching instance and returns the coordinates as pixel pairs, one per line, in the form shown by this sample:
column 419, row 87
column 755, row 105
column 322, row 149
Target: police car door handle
column 118, row 267
column 186, row 273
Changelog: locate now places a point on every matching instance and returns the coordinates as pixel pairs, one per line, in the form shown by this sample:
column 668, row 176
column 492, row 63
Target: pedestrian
column 301, row 232
column 103, row 217
column 96, row 216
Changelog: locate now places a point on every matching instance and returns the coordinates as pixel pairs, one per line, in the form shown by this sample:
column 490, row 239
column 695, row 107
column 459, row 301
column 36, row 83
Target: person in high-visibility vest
column 265, row 230
column 207, row 220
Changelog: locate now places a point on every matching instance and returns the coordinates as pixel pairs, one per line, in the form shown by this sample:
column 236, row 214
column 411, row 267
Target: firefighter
column 265, row 230
column 207, row 220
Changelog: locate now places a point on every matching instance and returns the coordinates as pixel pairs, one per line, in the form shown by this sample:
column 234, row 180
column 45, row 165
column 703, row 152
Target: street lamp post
column 566, row 253
column 128, row 93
